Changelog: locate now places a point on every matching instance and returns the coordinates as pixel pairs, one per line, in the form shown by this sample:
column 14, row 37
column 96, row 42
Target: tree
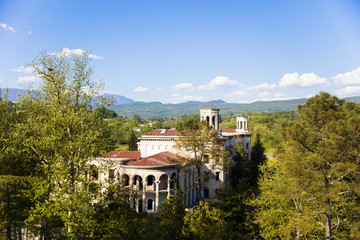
column 172, row 213
column 202, row 146
column 258, row 158
column 314, row 187
column 66, row 135
column 204, row 222
column 132, row 144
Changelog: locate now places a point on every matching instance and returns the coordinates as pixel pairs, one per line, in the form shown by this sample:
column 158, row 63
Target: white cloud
column 175, row 95
column 237, row 94
column 23, row 69
column 7, row 27
column 304, row 80
column 159, row 89
column 220, row 82
column 264, row 85
column 141, row 89
column 348, row 90
column 349, row 78
column 66, row 52
column 29, row 32
column 264, row 94
column 95, row 56
column 279, row 94
column 29, row 78
column 183, row 86
column 191, row 98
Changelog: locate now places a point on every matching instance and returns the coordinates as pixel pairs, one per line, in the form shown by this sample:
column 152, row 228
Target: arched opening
column 241, row 125
column 163, row 182
column 213, row 121
column 137, row 182
column 208, row 119
column 173, row 181
column 150, row 204
column 150, row 180
column 125, row 179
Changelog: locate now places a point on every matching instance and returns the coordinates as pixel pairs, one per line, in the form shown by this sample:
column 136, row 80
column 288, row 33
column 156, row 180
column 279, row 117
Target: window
column 150, row 180
column 206, row 176
column 247, row 145
column 150, row 204
column 111, row 173
column 206, row 193
column 217, row 176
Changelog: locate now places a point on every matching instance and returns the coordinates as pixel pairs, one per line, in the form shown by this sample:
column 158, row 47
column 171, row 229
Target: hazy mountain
column 13, row 96
column 157, row 109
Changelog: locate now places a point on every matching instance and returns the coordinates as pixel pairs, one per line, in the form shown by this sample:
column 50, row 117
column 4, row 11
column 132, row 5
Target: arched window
column 150, row 204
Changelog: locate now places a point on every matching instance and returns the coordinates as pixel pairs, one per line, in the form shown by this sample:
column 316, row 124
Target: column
column 131, row 198
column 157, row 195
column 168, row 188
column 144, row 196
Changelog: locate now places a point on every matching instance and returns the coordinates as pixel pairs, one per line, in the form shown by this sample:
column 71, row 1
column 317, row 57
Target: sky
column 175, row 51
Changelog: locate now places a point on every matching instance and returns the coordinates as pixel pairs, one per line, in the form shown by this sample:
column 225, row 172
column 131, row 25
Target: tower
column 241, row 123
column 211, row 116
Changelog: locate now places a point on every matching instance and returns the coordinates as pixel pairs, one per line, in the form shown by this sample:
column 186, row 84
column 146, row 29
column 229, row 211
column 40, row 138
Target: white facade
column 151, row 178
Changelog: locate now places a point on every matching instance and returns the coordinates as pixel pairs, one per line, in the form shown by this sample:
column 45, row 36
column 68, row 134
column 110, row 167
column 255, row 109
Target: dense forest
column 301, row 183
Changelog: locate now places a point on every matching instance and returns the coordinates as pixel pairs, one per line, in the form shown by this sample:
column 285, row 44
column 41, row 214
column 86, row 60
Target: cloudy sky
column 180, row 50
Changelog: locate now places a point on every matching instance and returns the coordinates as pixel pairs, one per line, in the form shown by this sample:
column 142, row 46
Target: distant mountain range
column 14, row 92
column 128, row 107
column 157, row 109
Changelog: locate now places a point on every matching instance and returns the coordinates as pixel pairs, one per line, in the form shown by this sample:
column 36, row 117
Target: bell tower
column 211, row 116
column 241, row 123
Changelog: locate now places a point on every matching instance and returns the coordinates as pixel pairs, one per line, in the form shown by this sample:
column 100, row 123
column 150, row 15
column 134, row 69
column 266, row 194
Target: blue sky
column 176, row 51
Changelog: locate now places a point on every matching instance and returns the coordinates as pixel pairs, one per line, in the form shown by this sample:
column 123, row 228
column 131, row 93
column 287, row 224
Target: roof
column 157, row 160
column 162, row 132
column 123, row 154
column 233, row 132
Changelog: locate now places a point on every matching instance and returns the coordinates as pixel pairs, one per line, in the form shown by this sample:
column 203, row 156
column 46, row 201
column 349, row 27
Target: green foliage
column 202, row 146
column 132, row 144
column 204, row 222
column 172, row 213
column 65, row 135
column 106, row 113
column 258, row 158
column 313, row 191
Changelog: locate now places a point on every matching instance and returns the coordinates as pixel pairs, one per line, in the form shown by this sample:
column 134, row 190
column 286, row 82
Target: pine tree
column 132, row 144
column 313, row 190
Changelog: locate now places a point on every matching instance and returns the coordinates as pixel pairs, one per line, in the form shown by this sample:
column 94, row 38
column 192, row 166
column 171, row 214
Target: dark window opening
column 150, row 204
column 206, row 193
column 217, row 176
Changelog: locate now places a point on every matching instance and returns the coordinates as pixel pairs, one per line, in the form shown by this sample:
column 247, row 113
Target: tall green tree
column 202, row 146
column 316, row 183
column 204, row 222
column 66, row 135
column 132, row 144
column 258, row 158
column 172, row 213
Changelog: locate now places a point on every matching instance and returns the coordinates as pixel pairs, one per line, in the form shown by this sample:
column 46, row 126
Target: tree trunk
column 328, row 226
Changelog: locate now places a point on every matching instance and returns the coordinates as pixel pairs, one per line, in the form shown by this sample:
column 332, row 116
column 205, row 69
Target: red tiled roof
column 123, row 154
column 228, row 130
column 162, row 132
column 159, row 159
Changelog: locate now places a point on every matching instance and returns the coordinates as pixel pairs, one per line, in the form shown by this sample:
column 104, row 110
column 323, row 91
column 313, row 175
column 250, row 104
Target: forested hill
column 12, row 94
column 158, row 109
